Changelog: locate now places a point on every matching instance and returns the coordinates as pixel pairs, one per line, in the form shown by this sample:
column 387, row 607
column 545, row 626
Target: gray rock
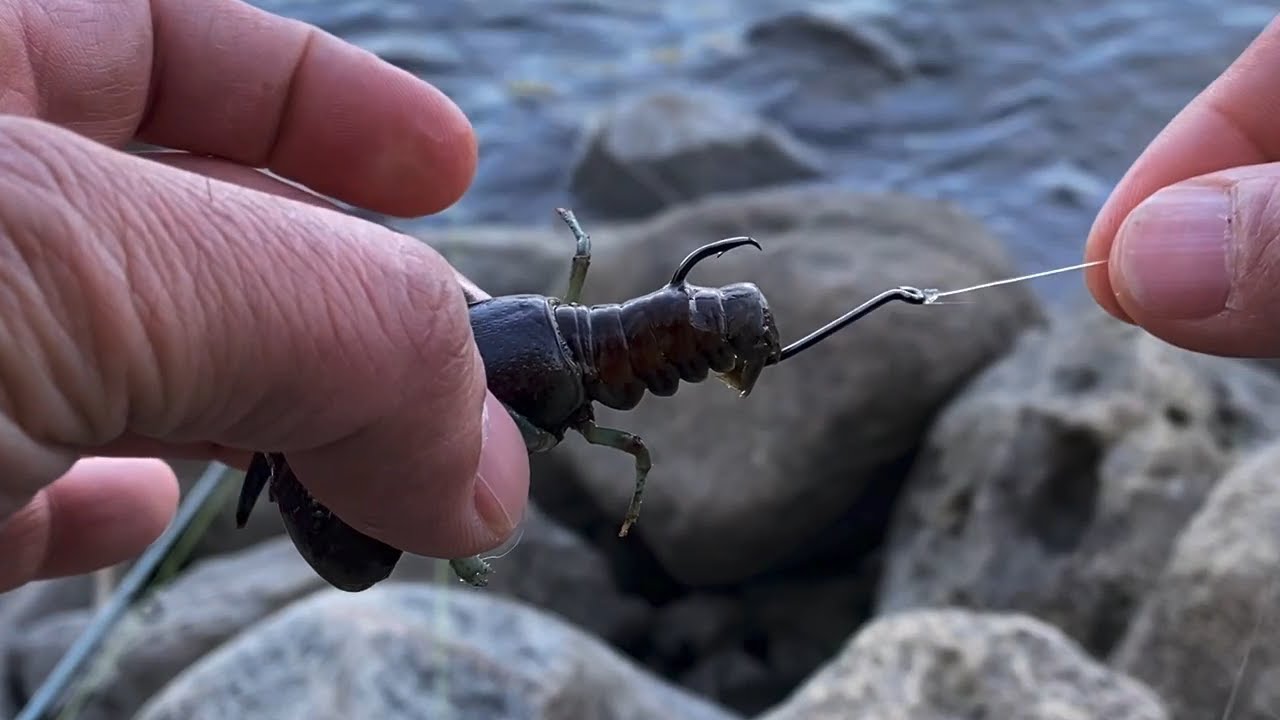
column 1055, row 483
column 24, row 607
column 740, row 485
column 508, row 260
column 220, row 597
column 552, row 568
column 401, row 651
column 1208, row 637
column 659, row 149
column 749, row 648
column 948, row 664
column 200, row 610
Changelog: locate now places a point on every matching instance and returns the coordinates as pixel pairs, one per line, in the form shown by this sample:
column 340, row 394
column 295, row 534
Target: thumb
column 139, row 301
column 1197, row 263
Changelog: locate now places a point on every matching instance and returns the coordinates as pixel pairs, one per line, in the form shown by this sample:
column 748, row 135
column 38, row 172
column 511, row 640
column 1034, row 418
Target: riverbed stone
column 741, row 485
column 1207, row 637
column 406, row 651
column 1057, row 481
column 222, row 597
column 662, row 148
column 951, row 663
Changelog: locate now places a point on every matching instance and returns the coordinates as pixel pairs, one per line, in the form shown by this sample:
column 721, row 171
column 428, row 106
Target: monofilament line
column 908, row 294
column 934, row 294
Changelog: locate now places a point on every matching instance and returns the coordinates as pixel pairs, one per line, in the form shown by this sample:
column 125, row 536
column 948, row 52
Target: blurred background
column 1010, row 508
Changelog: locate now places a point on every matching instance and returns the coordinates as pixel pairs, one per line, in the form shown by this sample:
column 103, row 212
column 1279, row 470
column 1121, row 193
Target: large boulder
column 403, row 651
column 1207, row 638
column 1057, row 482
column 221, row 598
column 739, row 486
column 659, row 149
column 949, row 664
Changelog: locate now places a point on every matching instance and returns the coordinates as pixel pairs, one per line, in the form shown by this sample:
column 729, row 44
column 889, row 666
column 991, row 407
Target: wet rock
column 221, row 597
column 1207, row 638
column 1056, row 482
column 946, row 664
column 785, row 58
column 825, row 38
column 740, row 485
column 400, row 651
column 659, row 149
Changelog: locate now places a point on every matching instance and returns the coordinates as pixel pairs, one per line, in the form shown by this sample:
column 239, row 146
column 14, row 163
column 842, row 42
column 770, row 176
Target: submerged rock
column 664, row 148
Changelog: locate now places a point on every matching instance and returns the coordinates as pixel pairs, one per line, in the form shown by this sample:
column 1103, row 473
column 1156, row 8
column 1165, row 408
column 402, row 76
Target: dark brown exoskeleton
column 549, row 360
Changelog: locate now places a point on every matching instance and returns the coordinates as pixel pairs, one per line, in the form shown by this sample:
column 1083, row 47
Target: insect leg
column 628, row 443
column 581, row 258
column 255, row 479
column 535, row 438
column 345, row 557
column 473, row 570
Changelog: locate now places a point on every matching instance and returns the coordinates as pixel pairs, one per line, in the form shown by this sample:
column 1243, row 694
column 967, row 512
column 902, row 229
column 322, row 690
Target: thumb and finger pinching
column 1197, row 263
column 144, row 301
column 1190, row 230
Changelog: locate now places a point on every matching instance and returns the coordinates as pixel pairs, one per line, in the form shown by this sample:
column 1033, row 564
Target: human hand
column 1191, row 229
column 186, row 305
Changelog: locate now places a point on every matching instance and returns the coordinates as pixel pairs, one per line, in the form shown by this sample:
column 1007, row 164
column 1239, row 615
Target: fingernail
column 502, row 487
column 1172, row 252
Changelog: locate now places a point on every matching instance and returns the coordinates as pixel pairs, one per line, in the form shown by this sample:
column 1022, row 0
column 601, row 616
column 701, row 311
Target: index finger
column 1234, row 122
column 224, row 78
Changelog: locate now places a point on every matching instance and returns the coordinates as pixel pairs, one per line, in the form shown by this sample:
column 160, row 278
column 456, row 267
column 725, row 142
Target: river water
column 1024, row 112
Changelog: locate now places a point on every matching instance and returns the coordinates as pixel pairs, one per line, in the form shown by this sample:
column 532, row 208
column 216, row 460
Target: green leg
column 581, row 258
column 627, row 443
column 474, row 570
column 536, row 439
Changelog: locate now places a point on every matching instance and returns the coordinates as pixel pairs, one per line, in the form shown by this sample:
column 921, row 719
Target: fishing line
column 911, row 295
column 933, row 295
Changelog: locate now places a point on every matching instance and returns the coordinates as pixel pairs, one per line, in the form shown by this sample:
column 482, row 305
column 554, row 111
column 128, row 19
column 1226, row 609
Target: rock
column 401, row 651
column 24, row 607
column 1207, row 638
column 219, row 598
column 748, row 649
column 948, row 664
column 552, row 568
column 508, row 260
column 1056, row 482
column 203, row 608
column 659, row 149
column 739, row 485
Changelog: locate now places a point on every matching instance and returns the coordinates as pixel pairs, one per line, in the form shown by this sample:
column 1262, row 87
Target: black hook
column 718, row 247
column 905, row 293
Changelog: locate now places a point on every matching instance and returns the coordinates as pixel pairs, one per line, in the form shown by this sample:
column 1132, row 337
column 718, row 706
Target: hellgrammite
column 549, row 360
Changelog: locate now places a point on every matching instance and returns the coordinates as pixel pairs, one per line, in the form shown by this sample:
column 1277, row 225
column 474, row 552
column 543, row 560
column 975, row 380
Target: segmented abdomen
column 649, row 343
